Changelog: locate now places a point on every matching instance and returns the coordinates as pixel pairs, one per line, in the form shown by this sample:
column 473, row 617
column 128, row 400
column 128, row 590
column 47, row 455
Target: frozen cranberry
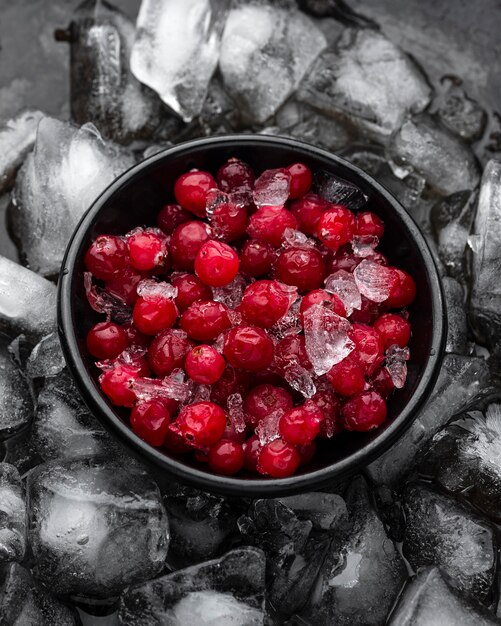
column 394, row 330
column 369, row 224
column 168, row 351
column 303, row 268
column 269, row 223
column 307, row 452
column 174, row 441
column 301, row 179
column 116, row 384
column 336, row 227
column 264, row 400
column 106, row 340
column 229, row 221
column 301, row 424
column 369, row 347
column 228, row 384
column 216, row 264
column 124, row 285
column 154, row 314
column 291, row 349
column 308, row 211
column 135, row 337
column 185, row 243
column 264, row 303
column 278, row 459
column 368, row 312
column 248, row 348
column 106, row 257
column 319, row 296
column 347, row 377
column 343, row 259
column 191, row 190
column 150, row 420
column 201, row 423
column 329, row 404
column 252, row 448
column 226, row 457
column 205, row 320
column 364, row 411
column 231, row 433
column 171, row 216
column 190, row 289
column 137, row 359
column 235, row 176
column 204, row 365
column 403, row 292
column 382, row 382
column 256, row 258
column 147, row 250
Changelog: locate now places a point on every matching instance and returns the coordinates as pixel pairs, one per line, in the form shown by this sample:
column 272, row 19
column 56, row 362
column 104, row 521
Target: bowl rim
column 263, row 487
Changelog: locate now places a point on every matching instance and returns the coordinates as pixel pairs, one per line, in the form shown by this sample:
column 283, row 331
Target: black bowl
column 135, row 198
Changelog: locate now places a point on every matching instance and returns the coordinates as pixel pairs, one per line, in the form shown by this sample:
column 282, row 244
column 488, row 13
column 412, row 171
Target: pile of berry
column 256, row 317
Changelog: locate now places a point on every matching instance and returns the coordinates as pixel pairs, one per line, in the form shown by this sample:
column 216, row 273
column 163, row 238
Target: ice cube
column 239, row 573
column 447, row 164
column 300, row 379
column 272, row 188
column 374, row 280
column 95, row 527
column 396, row 364
column 231, row 294
column 212, row 608
column 460, row 113
column 58, row 182
column 369, row 80
column 46, row 360
column 456, row 316
column 12, row 515
column 263, row 45
column 16, row 402
column 326, row 511
column 326, row 338
column 235, row 411
column 344, row 285
column 176, row 50
column 105, row 302
column 268, row 428
column 339, row 191
column 444, row 533
column 17, row 137
column 170, row 387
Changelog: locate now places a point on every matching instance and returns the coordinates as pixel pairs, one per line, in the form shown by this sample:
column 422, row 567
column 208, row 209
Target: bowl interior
column 136, row 197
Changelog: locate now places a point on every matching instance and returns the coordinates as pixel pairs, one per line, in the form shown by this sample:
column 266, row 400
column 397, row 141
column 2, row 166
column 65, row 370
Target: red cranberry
column 252, row 448
column 319, row 296
column 191, row 190
column 308, row 211
column 303, row 268
column 248, row 348
column 205, row 320
column 190, row 289
column 369, row 347
column 228, row 384
column 106, row 257
column 307, row 452
column 369, row 224
column 226, row 457
column 154, row 314
column 216, row 264
column 269, row 223
column 106, row 340
column 135, row 337
column 301, row 179
column 124, row 285
column 264, row 303
column 185, row 243
column 347, row 377
column 147, row 250
column 171, row 216
column 256, row 258
column 235, row 176
column 229, row 221
column 394, row 330
column 336, row 227
column 364, row 411
column 278, row 459
column 202, row 423
column 150, row 420
column 264, row 400
column 168, row 351
column 343, row 259
column 174, row 441
column 116, row 383
column 382, row 382
column 291, row 349
column 204, row 365
column 301, row 424
column 403, row 292
column 368, row 312
column 329, row 405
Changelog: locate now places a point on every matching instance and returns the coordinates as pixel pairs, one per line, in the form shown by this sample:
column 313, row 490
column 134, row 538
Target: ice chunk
column 231, row 294
column 12, row 515
column 272, row 188
column 344, row 285
column 367, row 79
column 396, row 364
column 326, row 511
column 447, row 164
column 172, row 387
column 374, row 280
column 461, row 378
column 46, row 360
column 268, row 428
column 103, row 301
column 339, row 191
column 441, row 532
column 263, row 45
column 326, row 338
column 239, row 573
column 300, row 379
column 460, row 113
column 58, row 182
column 16, row 403
column 95, row 527
column 212, row 608
column 176, row 50
column 235, row 411
column 17, row 137
column 456, row 316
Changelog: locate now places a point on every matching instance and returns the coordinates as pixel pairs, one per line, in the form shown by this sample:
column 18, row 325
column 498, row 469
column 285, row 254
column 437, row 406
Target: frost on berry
column 295, row 238
column 150, row 289
column 364, row 245
column 374, row 281
column 339, row 191
column 172, row 387
column 396, row 364
column 236, row 412
column 300, row 379
column 102, row 301
column 272, row 188
column 326, row 338
column 231, row 294
column 267, row 430
column 343, row 284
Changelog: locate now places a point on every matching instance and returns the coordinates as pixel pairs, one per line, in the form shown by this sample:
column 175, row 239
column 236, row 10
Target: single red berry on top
column 216, row 264
column 364, row 411
column 248, row 348
column 235, row 176
column 147, row 250
column 278, row 459
column 191, row 190
column 226, row 457
column 336, row 227
column 301, row 424
column 190, row 289
column 256, row 258
column 264, row 400
column 201, row 424
column 205, row 320
column 154, row 314
column 204, row 365
column 116, row 384
column 319, row 296
column 150, row 420
column 252, row 448
column 301, row 179
column 289, row 350
column 107, row 257
column 369, row 224
column 308, row 211
column 168, row 351
column 106, row 340
column 171, row 216
column 124, row 285
column 347, row 377
column 403, row 292
column 268, row 224
column 394, row 329
column 301, row 267
column 264, row 303
column 369, row 347
column 186, row 241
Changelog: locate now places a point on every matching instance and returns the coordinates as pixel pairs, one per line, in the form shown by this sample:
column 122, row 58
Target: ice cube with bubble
column 12, row 515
